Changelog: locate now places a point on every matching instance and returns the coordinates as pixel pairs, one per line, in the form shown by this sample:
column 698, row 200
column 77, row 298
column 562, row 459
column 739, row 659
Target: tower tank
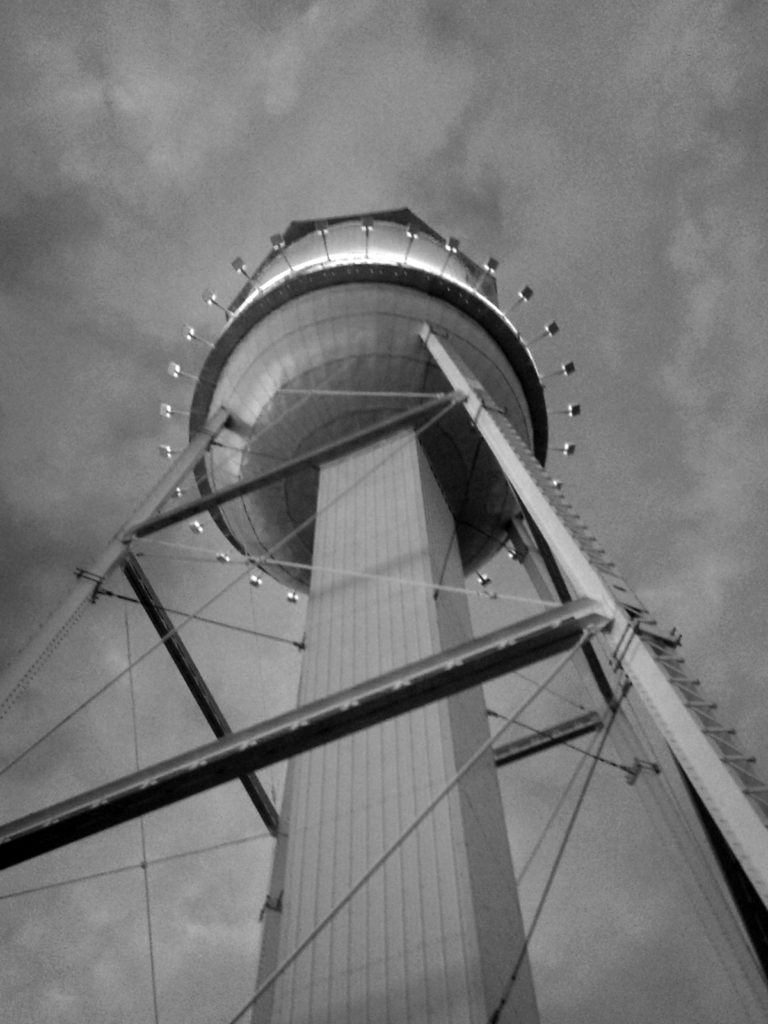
column 323, row 340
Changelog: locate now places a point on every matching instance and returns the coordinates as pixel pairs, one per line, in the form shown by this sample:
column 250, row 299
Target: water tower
column 369, row 428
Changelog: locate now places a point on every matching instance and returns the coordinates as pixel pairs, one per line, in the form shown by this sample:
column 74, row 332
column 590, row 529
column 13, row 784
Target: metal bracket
column 91, row 577
column 639, row 766
column 272, row 903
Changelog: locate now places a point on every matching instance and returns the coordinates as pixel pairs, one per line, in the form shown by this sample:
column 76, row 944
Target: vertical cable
column 144, row 867
column 496, row 1015
column 363, row 880
column 268, row 773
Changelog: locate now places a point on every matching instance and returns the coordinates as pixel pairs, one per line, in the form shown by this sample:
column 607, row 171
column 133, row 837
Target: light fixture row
column 451, row 246
column 255, row 580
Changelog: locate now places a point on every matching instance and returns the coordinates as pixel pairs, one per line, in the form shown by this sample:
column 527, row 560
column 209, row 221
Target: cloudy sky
column 613, row 157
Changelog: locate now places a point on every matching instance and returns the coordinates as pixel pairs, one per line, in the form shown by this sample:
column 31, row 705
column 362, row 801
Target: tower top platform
column 331, row 315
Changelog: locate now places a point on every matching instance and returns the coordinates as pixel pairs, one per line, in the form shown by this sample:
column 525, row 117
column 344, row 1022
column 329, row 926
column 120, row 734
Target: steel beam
column 718, row 789
column 543, row 739
column 190, row 673
column 669, row 807
column 348, row 711
column 334, row 450
column 494, row 432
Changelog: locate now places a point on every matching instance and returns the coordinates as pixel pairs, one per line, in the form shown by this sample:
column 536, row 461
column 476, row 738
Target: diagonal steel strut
column 327, row 451
column 190, row 673
column 719, row 791
column 345, row 712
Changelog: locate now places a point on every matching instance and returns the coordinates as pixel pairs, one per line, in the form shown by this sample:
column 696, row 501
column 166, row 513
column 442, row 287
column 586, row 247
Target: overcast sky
column 610, row 155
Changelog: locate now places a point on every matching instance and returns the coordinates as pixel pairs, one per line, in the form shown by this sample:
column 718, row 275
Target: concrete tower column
column 434, row 935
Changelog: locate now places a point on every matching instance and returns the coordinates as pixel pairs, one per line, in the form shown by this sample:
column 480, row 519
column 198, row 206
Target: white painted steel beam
column 726, row 802
column 478, row 404
column 665, row 799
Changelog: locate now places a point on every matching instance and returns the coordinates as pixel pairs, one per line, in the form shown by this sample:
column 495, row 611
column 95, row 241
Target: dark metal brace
column 328, row 451
column 190, row 673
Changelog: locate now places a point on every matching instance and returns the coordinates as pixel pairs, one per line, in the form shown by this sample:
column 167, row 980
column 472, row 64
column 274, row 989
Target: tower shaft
column 435, row 933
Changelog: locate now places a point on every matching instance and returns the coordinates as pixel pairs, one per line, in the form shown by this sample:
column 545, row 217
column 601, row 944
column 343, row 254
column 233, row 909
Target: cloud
column 695, row 81
column 613, row 158
column 685, row 61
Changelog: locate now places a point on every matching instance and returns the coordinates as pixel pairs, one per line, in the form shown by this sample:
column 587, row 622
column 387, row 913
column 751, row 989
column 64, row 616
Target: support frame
column 322, row 721
column 718, row 790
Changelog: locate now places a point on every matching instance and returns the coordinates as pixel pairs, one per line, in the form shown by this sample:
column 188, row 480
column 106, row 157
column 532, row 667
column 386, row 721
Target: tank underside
column 282, row 369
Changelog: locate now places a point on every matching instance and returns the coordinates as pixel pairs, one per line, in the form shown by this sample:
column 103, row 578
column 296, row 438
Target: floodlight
column 550, row 330
column 566, row 369
column 238, row 265
column 489, row 270
column 190, row 334
column 451, row 247
column 525, row 293
column 278, row 245
column 570, row 410
column 411, row 234
column 209, row 297
column 175, row 371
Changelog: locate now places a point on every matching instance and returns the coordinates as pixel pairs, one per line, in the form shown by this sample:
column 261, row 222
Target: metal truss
column 311, row 725
column 147, row 520
column 648, row 655
column 731, row 800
